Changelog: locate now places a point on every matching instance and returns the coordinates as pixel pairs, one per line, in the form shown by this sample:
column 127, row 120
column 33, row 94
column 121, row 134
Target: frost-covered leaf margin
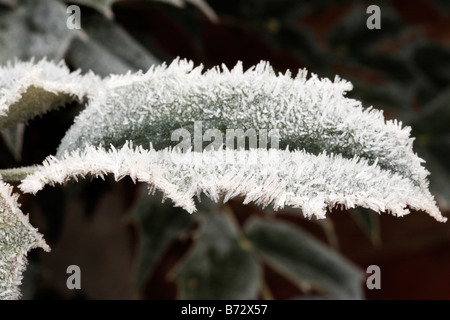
column 28, row 89
column 267, row 177
column 17, row 237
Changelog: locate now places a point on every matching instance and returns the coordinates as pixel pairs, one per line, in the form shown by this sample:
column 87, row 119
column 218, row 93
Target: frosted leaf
column 8, row 3
column 309, row 113
column 17, row 237
column 299, row 257
column 28, row 89
column 266, row 177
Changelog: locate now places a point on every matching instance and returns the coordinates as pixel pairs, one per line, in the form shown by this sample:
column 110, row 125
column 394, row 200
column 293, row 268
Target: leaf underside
column 160, row 224
column 209, row 271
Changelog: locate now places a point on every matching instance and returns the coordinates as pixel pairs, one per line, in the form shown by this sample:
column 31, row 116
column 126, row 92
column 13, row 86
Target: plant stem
column 16, row 174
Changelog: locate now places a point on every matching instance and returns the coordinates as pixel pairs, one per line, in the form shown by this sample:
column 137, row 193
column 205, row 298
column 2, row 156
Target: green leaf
column 303, row 259
column 17, row 237
column 34, row 29
column 219, row 266
column 107, row 48
column 159, row 225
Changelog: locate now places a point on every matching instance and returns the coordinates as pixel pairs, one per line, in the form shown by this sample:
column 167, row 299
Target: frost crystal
column 267, row 177
column 17, row 237
column 28, row 89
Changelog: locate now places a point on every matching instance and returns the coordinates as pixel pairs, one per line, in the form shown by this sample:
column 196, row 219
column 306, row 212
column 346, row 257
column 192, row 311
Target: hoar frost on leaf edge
column 266, row 177
column 18, row 79
column 12, row 264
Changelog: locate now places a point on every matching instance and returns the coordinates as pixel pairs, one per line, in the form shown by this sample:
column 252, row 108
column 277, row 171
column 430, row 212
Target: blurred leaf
column 303, row 259
column 107, row 48
column 219, row 265
column 327, row 226
column 159, row 225
column 352, row 34
column 393, row 67
column 34, row 29
column 202, row 5
column 393, row 96
column 105, row 6
column 369, row 221
column 432, row 120
column 8, row 3
column 302, row 43
column 13, row 138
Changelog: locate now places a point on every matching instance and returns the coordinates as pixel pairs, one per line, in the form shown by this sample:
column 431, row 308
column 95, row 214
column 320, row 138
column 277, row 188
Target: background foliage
column 113, row 231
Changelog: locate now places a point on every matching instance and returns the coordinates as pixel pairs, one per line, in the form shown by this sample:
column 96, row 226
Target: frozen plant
column 333, row 152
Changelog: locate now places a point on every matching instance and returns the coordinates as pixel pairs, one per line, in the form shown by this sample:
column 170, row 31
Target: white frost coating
column 309, row 113
column 28, row 89
column 274, row 177
column 17, row 237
